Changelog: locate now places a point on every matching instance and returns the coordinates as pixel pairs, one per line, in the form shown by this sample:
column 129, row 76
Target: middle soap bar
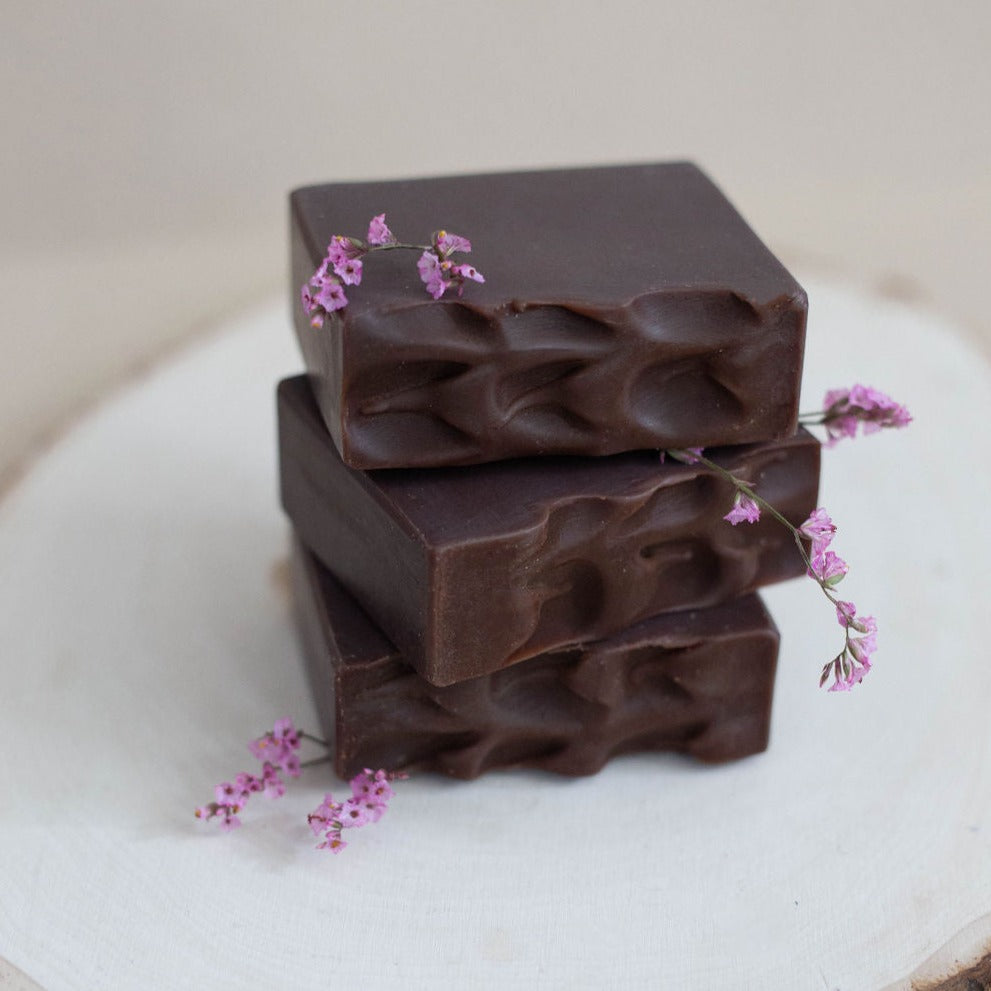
column 469, row 571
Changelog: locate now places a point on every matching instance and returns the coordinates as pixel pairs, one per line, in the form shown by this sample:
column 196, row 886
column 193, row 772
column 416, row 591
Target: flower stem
column 394, row 245
column 303, row 735
column 742, row 486
column 316, row 760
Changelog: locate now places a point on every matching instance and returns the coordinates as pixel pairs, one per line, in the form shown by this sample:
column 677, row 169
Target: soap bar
column 623, row 308
column 471, row 570
column 698, row 682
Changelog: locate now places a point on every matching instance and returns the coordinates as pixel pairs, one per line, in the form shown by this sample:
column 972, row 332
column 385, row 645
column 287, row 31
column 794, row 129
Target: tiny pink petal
column 378, row 231
column 341, row 249
column 446, row 243
column 744, row 510
column 819, row 528
column 226, row 792
column 308, row 301
column 846, row 613
column 828, row 567
column 354, row 813
column 432, row 274
column 284, row 731
column 349, row 271
column 467, row 272
column 332, row 842
column 229, row 820
column 331, row 296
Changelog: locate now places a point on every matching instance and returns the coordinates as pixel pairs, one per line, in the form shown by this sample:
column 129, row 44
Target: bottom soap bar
column 699, row 682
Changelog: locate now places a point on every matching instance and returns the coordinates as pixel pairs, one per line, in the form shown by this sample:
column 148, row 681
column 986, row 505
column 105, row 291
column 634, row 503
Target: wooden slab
column 143, row 640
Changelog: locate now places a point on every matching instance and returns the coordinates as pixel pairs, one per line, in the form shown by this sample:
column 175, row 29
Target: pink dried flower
column 290, row 764
column 323, row 294
column 846, row 613
column 342, row 249
column 354, row 813
column 854, row 661
column 330, row 295
column 373, row 786
column 309, row 304
column 379, row 233
column 370, row 794
column 248, row 783
column 277, row 745
column 332, row 842
column 828, row 568
column 862, row 649
column 446, row 243
column 327, row 815
column 285, row 733
column 818, row 528
column 227, row 793
column 228, row 819
column 370, row 790
column 861, row 404
column 744, row 510
column 845, row 672
column 349, row 271
column 461, row 272
column 432, row 274
column 273, row 785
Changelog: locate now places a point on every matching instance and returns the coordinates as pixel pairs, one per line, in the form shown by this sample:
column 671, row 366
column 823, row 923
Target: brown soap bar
column 469, row 570
column 624, row 308
column 698, row 682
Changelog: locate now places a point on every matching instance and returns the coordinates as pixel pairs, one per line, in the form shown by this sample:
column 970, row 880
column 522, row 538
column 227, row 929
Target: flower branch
column 844, row 410
column 343, row 265
column 370, row 790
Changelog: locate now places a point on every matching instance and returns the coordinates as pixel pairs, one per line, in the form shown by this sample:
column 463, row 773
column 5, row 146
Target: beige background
column 148, row 148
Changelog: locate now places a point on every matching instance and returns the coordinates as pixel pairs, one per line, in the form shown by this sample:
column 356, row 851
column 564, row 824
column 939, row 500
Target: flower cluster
column 438, row 273
column 370, row 794
column 844, row 410
column 277, row 752
column 854, row 661
column 342, row 266
column 370, row 790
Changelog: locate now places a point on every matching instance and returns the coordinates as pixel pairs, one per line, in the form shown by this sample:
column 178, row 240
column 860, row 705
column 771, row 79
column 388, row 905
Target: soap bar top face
column 468, row 572
column 699, row 682
column 623, row 308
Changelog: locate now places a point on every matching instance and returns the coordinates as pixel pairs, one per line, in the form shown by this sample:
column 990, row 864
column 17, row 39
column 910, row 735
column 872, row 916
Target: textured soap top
column 698, row 682
column 623, row 308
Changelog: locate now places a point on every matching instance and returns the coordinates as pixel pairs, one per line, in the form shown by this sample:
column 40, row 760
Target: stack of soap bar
column 526, row 581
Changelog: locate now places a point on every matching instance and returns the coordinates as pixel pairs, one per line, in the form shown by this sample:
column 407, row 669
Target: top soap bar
column 623, row 308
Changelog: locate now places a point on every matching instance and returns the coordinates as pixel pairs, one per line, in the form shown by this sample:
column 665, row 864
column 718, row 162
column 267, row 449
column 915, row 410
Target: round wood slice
column 145, row 637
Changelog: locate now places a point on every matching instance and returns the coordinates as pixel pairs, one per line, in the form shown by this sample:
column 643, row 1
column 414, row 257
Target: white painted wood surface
column 145, row 636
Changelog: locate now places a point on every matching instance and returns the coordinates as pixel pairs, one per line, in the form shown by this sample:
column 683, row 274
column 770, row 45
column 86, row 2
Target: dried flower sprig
column 844, row 410
column 370, row 790
column 342, row 266
column 370, row 794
